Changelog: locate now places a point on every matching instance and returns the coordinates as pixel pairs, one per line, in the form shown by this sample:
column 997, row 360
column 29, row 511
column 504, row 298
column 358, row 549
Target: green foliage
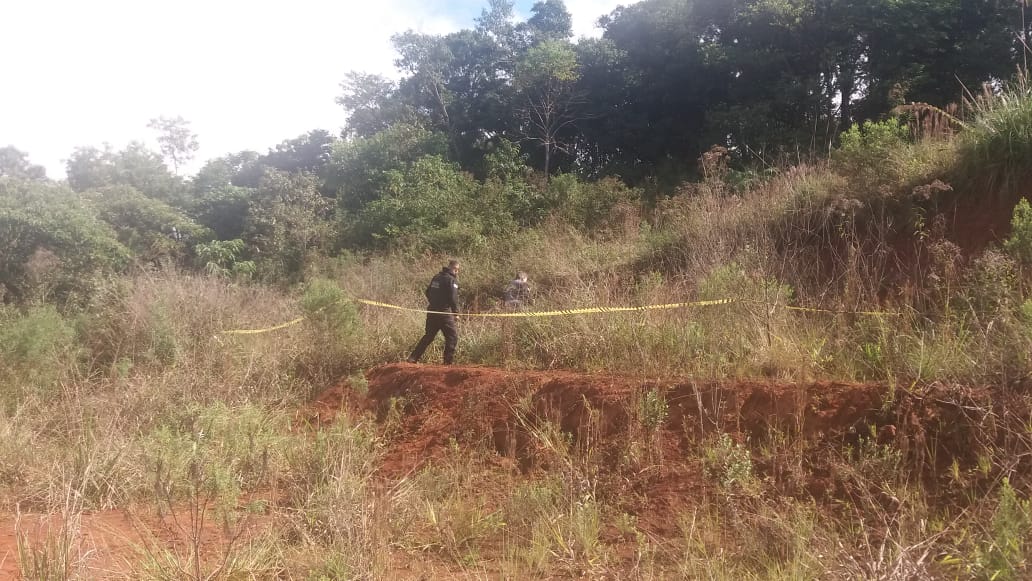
column 362, row 167
column 864, row 149
column 223, row 210
column 1019, row 243
column 334, row 334
column 1005, row 557
column 590, row 206
column 15, row 164
column 288, row 221
column 551, row 61
column 223, row 258
column 150, row 228
column 36, row 347
column 89, row 168
column 214, row 451
column 507, row 164
column 730, row 464
column 653, row 409
column 732, row 281
column 326, row 305
column 430, row 205
column 997, row 144
column 53, row 243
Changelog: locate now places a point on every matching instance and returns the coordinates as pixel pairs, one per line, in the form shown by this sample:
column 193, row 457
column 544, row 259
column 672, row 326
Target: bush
column 327, row 306
column 223, row 258
column 864, row 149
column 53, row 244
column 1019, row 244
column 150, row 228
column 332, row 349
column 35, row 349
column 591, row 206
column 1005, row 555
column 430, row 206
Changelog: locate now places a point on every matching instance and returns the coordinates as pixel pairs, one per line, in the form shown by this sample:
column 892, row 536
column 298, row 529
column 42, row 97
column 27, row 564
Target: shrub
column 326, row 305
column 431, row 205
column 333, row 322
column 864, row 149
column 150, row 228
column 730, row 464
column 1019, row 244
column 590, row 206
column 1005, row 555
column 35, row 348
column 53, row 244
column 223, row 258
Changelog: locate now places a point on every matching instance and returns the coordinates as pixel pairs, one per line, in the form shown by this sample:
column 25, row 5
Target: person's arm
column 454, row 295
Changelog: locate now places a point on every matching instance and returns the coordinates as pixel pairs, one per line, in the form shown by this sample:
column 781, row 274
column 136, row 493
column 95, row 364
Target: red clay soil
column 103, row 542
column 427, row 409
column 432, row 406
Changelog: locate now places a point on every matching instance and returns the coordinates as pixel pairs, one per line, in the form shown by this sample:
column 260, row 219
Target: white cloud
column 247, row 74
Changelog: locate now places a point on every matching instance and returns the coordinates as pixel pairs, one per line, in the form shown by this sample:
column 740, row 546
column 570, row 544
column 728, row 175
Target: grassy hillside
column 127, row 396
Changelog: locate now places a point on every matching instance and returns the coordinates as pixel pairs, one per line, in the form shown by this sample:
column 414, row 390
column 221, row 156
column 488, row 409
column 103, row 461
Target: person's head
column 521, row 276
column 453, row 266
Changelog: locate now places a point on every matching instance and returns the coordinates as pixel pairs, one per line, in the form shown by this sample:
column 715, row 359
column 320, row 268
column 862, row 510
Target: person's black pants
column 446, row 325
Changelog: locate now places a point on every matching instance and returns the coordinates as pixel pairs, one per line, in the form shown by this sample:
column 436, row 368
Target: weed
column 1005, row 555
column 730, row 464
column 653, row 410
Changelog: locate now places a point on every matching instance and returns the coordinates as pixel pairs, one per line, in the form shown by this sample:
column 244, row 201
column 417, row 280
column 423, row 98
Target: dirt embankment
column 647, row 440
column 795, row 432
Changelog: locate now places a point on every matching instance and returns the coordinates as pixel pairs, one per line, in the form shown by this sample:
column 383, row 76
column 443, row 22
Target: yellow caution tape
column 556, row 313
column 265, row 330
column 813, row 310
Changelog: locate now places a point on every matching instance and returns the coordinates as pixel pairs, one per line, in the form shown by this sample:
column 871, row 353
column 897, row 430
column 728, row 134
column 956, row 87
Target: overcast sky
column 246, row 74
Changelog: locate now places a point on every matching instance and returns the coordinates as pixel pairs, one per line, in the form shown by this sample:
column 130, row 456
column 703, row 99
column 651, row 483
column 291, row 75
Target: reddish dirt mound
column 426, row 409
column 325, row 408
column 432, row 406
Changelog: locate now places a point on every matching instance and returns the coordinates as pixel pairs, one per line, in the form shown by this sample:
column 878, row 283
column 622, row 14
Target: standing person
column 518, row 291
column 442, row 295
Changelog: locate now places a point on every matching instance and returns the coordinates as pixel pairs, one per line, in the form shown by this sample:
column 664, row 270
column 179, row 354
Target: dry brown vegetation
column 741, row 441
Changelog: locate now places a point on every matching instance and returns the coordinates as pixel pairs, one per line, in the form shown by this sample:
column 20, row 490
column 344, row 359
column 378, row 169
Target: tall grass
column 139, row 400
column 995, row 148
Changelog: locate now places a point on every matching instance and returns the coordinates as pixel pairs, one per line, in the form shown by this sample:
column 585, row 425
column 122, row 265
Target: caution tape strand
column 559, row 312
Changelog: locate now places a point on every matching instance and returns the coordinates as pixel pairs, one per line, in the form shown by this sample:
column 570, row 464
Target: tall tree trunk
column 548, row 160
column 846, row 86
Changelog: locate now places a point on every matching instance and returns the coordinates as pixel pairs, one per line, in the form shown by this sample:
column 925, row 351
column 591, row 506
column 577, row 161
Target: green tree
column 151, row 229
column 175, row 139
column 431, row 205
column 54, row 245
column 15, row 164
column 89, row 168
column 288, row 220
column 547, row 78
column 360, row 166
column 550, row 20
column 368, row 101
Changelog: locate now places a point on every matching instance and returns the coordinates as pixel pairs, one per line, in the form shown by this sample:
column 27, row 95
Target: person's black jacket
column 443, row 292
